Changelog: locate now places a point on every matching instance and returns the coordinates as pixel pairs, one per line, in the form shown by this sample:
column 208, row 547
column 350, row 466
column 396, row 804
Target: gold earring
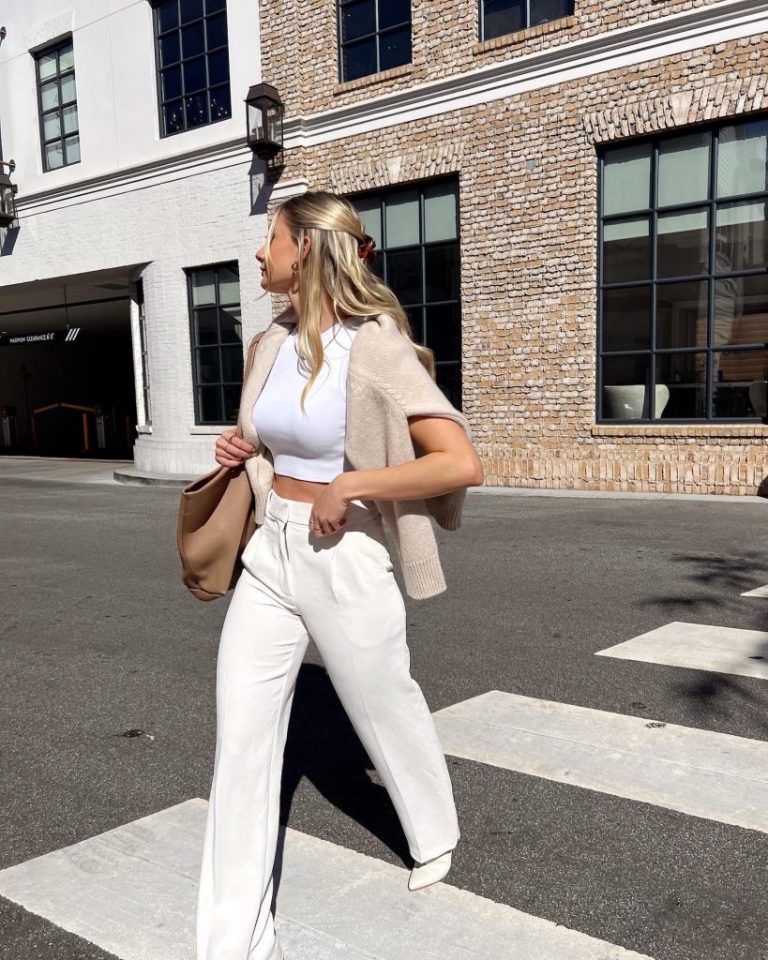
column 295, row 265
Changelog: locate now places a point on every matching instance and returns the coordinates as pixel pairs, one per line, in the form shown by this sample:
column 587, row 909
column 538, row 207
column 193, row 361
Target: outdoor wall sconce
column 7, row 195
column 264, row 115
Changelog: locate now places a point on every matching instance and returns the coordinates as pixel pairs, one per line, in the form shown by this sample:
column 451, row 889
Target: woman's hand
column 327, row 516
column 232, row 450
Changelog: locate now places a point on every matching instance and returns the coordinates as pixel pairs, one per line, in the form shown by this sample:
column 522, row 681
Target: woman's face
column 283, row 252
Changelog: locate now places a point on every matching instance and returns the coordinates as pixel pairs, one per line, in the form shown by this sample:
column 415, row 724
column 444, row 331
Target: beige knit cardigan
column 386, row 383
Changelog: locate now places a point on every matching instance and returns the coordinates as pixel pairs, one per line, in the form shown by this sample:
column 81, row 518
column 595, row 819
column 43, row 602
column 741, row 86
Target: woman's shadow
column 323, row 747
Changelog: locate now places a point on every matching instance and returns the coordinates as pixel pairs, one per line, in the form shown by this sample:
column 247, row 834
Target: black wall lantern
column 264, row 115
column 7, row 195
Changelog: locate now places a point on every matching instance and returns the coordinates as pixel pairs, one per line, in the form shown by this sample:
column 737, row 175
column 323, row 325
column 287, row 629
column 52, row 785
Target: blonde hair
column 334, row 267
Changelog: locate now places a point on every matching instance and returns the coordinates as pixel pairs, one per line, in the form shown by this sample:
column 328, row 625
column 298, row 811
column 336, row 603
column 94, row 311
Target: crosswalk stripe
column 132, row 891
column 712, row 775
column 699, row 646
column 757, row 592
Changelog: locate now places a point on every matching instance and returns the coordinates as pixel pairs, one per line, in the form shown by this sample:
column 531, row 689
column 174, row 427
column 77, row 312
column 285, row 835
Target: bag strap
column 248, row 367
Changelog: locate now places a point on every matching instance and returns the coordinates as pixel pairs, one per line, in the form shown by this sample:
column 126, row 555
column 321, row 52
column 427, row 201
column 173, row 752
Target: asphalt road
column 98, row 637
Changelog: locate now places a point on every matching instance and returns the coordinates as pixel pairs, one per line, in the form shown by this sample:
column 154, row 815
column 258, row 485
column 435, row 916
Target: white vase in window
column 758, row 397
column 629, row 401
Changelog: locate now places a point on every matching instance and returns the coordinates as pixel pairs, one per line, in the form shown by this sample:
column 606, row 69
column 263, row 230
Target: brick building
column 571, row 202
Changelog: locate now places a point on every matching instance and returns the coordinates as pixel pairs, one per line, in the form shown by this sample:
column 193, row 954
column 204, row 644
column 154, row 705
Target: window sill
column 207, row 429
column 144, row 428
column 687, row 430
column 372, row 78
column 520, row 36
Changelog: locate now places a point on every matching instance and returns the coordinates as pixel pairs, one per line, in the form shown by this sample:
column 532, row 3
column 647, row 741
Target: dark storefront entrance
column 66, row 372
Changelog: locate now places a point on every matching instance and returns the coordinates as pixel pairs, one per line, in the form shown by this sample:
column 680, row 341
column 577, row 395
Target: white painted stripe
column 132, row 891
column 712, row 775
column 564, row 63
column 757, row 592
column 699, row 646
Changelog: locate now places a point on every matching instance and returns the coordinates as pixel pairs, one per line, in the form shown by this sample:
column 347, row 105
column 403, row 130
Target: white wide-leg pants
column 341, row 591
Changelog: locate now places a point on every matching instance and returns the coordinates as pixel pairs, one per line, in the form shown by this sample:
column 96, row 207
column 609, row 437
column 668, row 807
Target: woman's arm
column 449, row 463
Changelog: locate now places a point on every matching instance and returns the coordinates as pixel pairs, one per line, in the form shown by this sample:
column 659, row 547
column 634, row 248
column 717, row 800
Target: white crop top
column 307, row 445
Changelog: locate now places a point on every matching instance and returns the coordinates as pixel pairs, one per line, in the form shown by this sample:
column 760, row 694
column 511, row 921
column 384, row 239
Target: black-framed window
column 374, row 35
column 57, row 105
column 192, row 58
column 416, row 228
column 683, row 275
column 216, row 337
column 499, row 17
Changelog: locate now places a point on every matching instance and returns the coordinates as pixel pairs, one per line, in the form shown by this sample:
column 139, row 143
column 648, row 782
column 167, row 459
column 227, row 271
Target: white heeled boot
column 423, row 874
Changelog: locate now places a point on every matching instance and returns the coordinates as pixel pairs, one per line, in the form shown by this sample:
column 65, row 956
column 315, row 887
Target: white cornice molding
column 623, row 47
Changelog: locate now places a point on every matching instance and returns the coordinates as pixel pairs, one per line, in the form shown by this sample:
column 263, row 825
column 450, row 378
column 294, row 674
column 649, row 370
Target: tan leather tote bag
column 215, row 522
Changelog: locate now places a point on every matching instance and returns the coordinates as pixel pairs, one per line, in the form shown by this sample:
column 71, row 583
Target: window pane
column 218, row 67
column 170, row 52
column 440, row 213
column 741, row 310
column 444, row 331
column 627, row 319
column 627, row 179
column 394, row 48
column 196, row 109
column 210, row 404
column 66, row 58
column 681, row 386
column 191, row 10
column 70, row 119
column 49, row 93
column 229, row 286
column 627, row 250
column 167, row 15
column 405, row 275
column 684, row 169
column 172, row 116
column 402, row 219
column 221, row 106
column 72, row 149
column 681, row 314
column 213, row 6
column 393, row 12
column 741, row 158
column 449, row 380
column 54, row 155
column 46, row 65
column 357, row 19
column 205, row 325
column 625, row 394
column 216, row 28
column 171, row 83
column 741, row 241
column 739, row 382
column 442, row 272
column 542, row 11
column 208, row 365
column 192, row 40
column 68, row 88
column 52, row 126
column 232, row 364
column 370, row 214
column 359, row 59
column 231, row 403
column 503, row 16
column 203, row 287
column 683, row 244
column 231, row 325
column 194, row 75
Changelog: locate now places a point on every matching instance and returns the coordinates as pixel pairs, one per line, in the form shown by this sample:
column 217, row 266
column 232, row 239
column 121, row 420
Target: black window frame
column 195, row 346
column 57, row 49
column 653, row 211
column 376, row 34
column 380, row 266
column 160, row 67
column 481, row 4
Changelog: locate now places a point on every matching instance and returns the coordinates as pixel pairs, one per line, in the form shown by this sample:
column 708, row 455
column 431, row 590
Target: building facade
column 570, row 199
column 129, row 283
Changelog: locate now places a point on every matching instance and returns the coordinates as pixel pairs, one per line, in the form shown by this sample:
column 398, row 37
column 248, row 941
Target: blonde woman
column 351, row 449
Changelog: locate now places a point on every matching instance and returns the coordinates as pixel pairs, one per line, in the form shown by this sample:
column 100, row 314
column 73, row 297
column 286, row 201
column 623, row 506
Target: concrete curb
column 136, row 478
column 614, row 495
